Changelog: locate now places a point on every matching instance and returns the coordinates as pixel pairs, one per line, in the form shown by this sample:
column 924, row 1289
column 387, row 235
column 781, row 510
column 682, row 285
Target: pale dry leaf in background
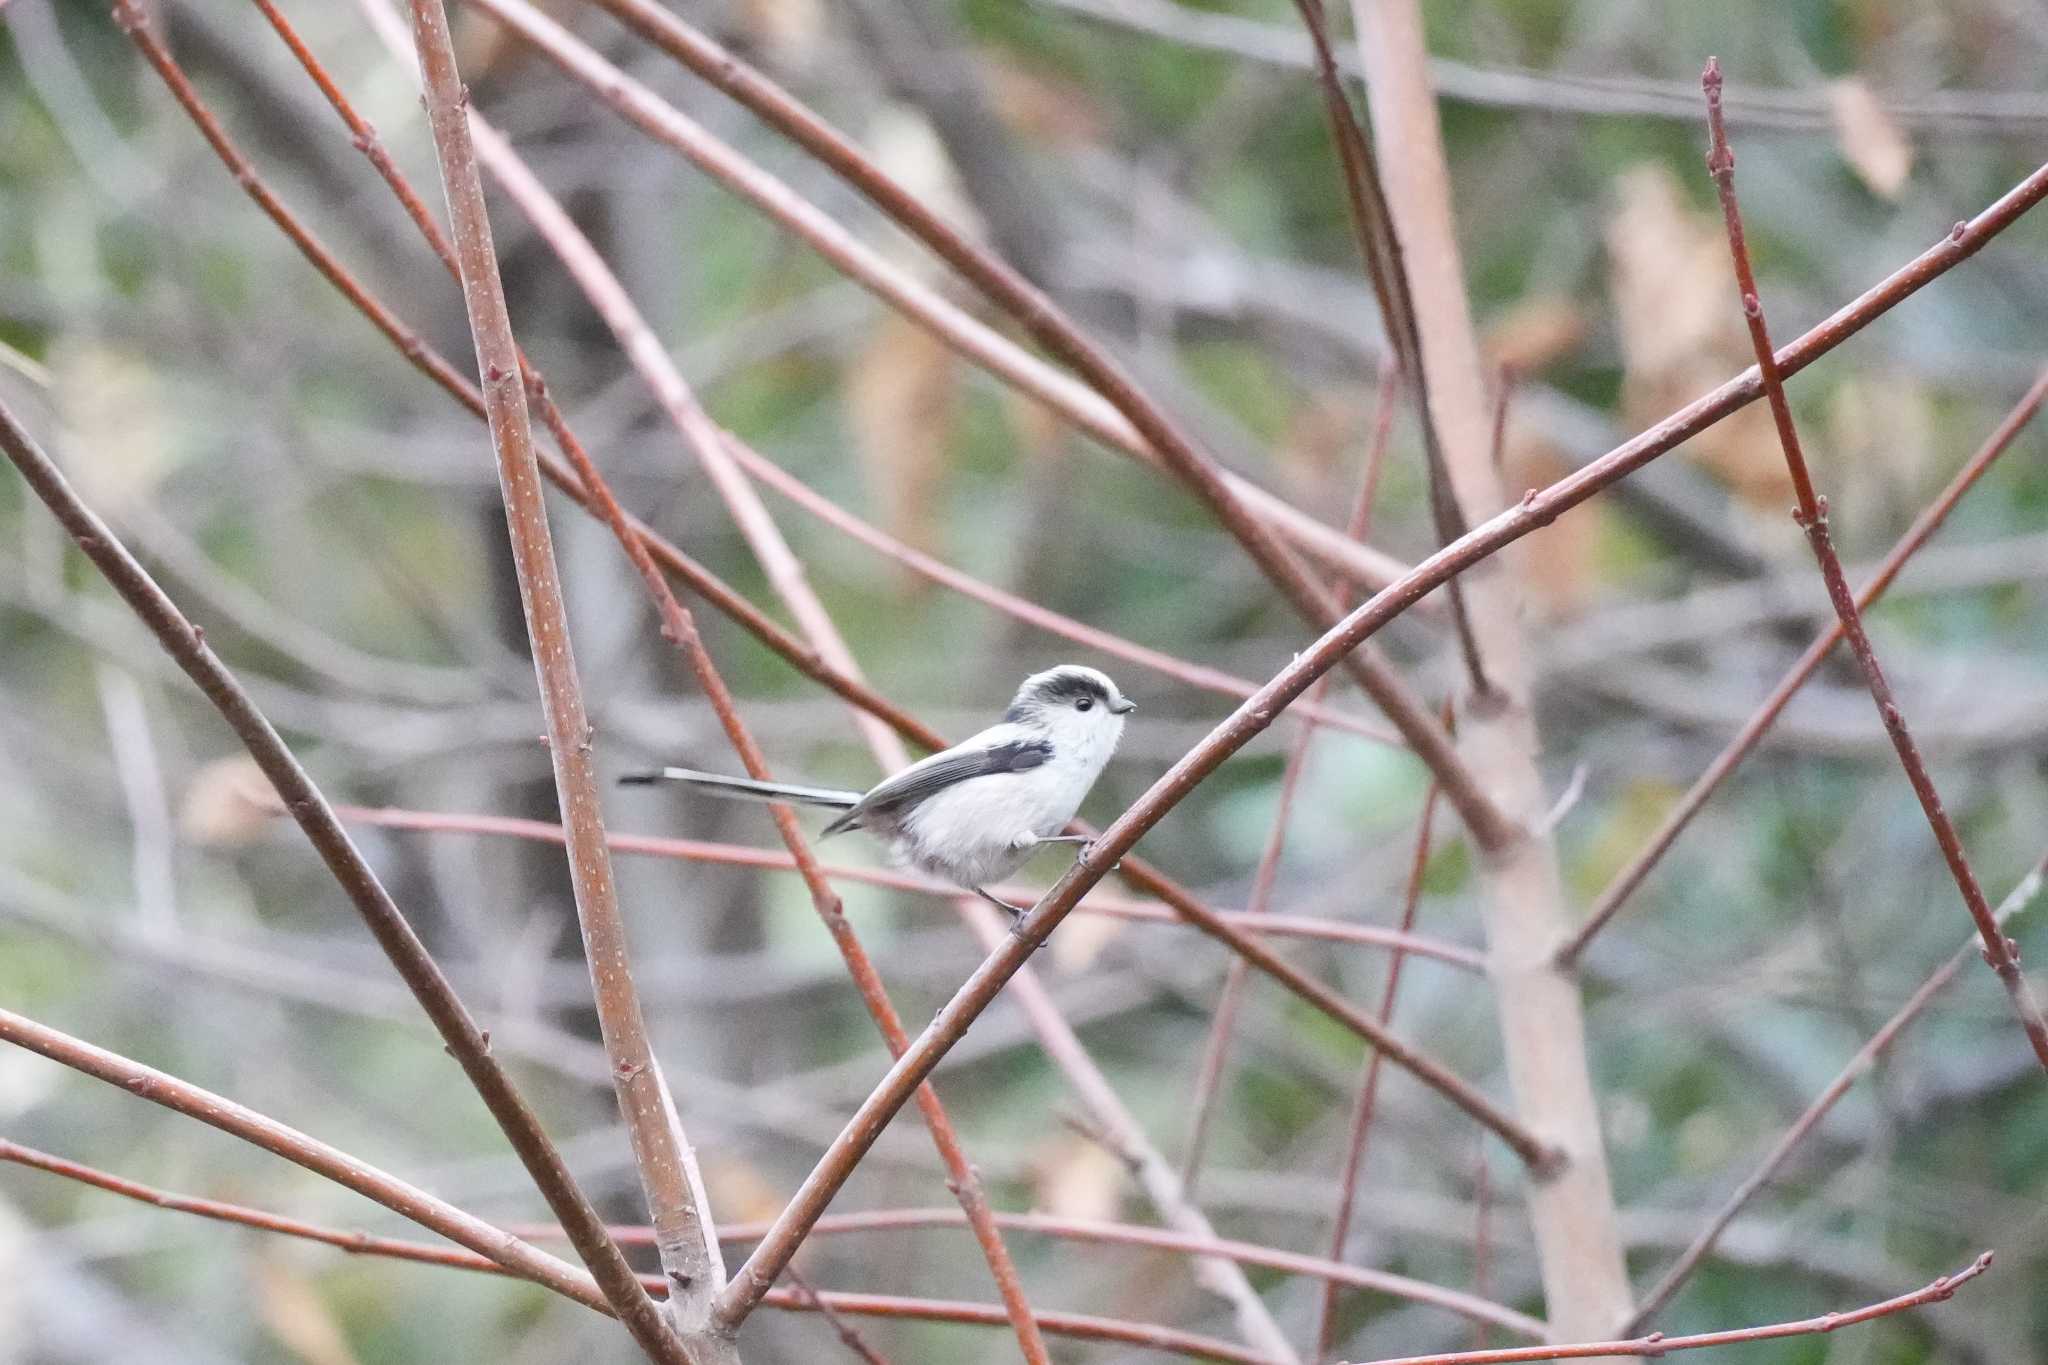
column 228, row 802
column 1040, row 105
column 296, row 1314
column 787, row 34
column 740, row 1193
column 118, row 437
column 1870, row 140
column 902, row 404
column 1559, row 567
column 1075, row 1177
column 902, row 142
column 1324, row 438
column 1682, row 333
column 1081, row 940
column 1538, row 331
column 1882, row 424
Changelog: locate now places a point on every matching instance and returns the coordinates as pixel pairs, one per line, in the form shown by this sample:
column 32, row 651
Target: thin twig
column 1657, row 1344
column 1696, row 1252
column 666, row 1165
column 1625, row 882
column 1366, row 1101
column 841, row 1328
column 186, row 644
column 1812, row 516
column 496, row 1247
column 739, row 855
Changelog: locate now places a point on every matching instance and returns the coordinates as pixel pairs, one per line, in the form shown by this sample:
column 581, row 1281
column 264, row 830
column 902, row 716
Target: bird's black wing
column 928, row 777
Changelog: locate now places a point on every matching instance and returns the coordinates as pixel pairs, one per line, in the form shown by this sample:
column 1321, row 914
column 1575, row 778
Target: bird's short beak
column 1123, row 706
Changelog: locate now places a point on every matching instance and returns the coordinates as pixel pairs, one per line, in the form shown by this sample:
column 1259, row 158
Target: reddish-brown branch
column 1043, row 320
column 738, row 855
column 496, row 1248
column 1625, row 882
column 1657, row 1344
column 1697, row 1250
column 1364, row 1105
column 1812, row 516
column 666, row 1165
column 187, row 645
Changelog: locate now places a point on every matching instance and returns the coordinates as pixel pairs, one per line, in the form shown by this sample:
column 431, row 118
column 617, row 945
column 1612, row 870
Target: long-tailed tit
column 973, row 813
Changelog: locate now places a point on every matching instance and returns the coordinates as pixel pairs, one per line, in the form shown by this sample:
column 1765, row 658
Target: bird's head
column 1078, row 708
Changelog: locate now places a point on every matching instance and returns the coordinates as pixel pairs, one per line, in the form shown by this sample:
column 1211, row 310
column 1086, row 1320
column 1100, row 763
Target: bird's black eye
column 1085, row 704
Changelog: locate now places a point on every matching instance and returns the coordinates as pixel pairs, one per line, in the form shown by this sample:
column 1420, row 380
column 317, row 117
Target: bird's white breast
column 967, row 833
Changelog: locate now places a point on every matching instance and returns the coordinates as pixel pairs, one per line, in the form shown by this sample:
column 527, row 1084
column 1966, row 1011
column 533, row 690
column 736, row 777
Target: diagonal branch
column 667, row 1166
column 1657, row 1344
column 1626, row 882
column 1696, row 1252
column 497, row 1247
column 186, row 644
column 1812, row 516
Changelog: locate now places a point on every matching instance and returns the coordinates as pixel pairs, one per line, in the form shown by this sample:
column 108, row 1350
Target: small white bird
column 973, row 813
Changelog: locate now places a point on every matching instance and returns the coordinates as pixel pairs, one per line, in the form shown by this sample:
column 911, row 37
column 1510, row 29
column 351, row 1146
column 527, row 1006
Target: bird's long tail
column 746, row 788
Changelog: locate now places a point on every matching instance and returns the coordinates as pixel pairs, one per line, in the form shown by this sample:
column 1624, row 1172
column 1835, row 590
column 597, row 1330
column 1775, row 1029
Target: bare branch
column 498, row 1249
column 1625, row 882
column 1657, row 1344
column 668, row 1176
column 1812, row 516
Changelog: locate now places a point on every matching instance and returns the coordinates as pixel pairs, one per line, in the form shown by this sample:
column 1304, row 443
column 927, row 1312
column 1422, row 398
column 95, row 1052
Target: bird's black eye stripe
column 1085, row 704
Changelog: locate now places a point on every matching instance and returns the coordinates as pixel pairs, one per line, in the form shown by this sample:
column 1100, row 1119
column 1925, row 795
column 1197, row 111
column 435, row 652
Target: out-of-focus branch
column 1961, row 113
column 667, row 1166
column 1542, row 1015
column 186, row 644
column 1671, row 1281
column 1625, row 882
column 1657, row 1344
column 497, row 1248
column 1812, row 516
column 740, row 855
column 1366, row 1103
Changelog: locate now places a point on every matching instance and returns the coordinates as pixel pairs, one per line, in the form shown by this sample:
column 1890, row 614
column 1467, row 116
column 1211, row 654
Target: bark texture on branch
column 1585, row 1280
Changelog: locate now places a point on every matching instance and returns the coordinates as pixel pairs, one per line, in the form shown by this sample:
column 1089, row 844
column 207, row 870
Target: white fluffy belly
column 969, row 834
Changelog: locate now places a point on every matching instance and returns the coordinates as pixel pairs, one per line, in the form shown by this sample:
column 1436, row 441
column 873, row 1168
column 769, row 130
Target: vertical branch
column 1812, row 515
column 668, row 1176
column 1578, row 1241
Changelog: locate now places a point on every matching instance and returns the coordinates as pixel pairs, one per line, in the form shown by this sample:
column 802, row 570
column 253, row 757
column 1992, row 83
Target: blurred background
column 1165, row 171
